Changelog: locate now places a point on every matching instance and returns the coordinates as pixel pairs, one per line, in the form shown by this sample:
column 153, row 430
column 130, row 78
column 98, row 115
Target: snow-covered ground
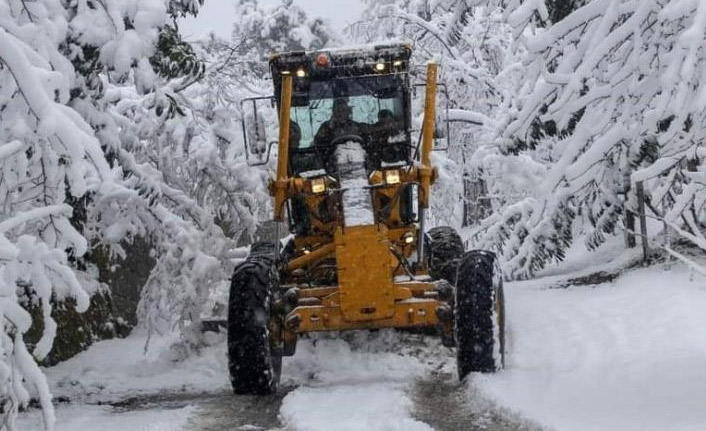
column 349, row 390
column 337, row 387
column 116, row 369
column 106, row 418
column 627, row 354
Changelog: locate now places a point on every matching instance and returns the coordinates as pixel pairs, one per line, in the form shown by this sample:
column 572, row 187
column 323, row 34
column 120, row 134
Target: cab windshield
column 372, row 107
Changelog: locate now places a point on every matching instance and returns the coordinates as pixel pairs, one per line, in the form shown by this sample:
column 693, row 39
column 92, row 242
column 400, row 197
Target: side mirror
column 256, row 134
column 257, row 114
column 442, row 131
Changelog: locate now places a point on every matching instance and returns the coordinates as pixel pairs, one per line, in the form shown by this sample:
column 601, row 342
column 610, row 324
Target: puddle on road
column 443, row 403
column 221, row 411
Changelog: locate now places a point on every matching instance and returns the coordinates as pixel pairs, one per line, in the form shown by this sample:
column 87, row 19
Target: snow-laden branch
column 54, row 118
column 608, row 96
column 471, row 117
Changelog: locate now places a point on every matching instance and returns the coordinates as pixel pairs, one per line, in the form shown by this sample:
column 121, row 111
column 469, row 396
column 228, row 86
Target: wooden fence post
column 629, row 214
column 640, row 189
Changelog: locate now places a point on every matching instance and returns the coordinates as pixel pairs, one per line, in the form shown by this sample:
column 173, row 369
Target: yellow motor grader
column 353, row 185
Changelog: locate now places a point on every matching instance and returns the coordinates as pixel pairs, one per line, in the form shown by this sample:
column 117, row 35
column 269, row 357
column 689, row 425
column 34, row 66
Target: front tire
column 254, row 369
column 446, row 248
column 480, row 314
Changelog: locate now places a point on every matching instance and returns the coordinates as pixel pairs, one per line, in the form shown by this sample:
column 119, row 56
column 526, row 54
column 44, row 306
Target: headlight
column 392, row 176
column 318, row 185
column 408, row 238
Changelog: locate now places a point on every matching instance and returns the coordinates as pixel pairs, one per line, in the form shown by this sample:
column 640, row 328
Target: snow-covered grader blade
column 354, row 188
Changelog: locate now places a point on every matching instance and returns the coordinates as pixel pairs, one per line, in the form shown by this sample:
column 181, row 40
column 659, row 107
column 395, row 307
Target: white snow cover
column 382, row 406
column 623, row 82
column 623, row 355
column 351, row 389
column 356, row 200
column 313, row 174
column 626, row 355
column 106, row 418
column 46, row 148
column 120, row 368
column 361, row 381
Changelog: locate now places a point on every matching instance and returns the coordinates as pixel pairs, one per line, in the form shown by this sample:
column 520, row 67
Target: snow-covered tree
column 107, row 113
column 87, row 90
column 198, row 154
column 282, row 27
column 130, row 91
column 46, row 151
column 620, row 81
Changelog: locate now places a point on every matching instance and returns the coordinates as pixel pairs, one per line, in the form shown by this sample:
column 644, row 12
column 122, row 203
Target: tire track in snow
column 444, row 403
column 229, row 412
column 358, row 382
column 387, row 381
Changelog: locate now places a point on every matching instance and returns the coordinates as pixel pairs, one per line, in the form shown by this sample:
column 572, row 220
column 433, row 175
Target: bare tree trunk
column 629, row 214
column 643, row 218
column 476, row 203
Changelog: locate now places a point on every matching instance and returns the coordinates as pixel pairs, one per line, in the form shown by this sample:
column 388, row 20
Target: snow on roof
column 356, row 200
column 381, row 48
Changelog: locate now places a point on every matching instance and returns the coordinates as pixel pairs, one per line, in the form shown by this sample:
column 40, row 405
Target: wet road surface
column 219, row 411
column 444, row 404
column 439, row 401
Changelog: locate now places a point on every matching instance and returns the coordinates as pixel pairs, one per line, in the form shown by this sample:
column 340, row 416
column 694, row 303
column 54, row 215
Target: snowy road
column 628, row 354
column 438, row 402
column 383, row 381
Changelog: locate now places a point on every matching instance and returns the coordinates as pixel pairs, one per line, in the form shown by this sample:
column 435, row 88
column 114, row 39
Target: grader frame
column 340, row 270
column 367, row 295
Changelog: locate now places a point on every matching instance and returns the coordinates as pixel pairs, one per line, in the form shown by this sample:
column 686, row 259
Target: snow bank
column 114, row 369
column 628, row 355
column 104, row 418
column 356, row 200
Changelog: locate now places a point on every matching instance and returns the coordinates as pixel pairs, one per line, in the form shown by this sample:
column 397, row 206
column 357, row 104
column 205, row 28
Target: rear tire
column 480, row 314
column 446, row 249
column 254, row 369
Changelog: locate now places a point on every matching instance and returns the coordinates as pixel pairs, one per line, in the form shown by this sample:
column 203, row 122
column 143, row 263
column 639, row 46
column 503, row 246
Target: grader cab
column 353, row 185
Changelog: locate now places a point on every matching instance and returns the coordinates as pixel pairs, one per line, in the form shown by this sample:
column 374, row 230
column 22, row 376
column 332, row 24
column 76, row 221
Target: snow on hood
column 357, row 204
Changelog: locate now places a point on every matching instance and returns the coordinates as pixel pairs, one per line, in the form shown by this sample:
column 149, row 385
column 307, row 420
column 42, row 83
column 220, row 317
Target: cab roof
column 348, row 61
